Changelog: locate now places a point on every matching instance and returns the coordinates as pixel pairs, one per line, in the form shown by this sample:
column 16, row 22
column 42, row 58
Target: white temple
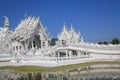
column 29, row 44
column 69, row 36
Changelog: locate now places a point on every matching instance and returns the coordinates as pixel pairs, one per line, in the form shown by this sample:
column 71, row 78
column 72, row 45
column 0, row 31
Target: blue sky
column 97, row 20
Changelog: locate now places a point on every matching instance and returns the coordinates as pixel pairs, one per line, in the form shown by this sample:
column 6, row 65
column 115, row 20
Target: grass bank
column 48, row 69
column 4, row 60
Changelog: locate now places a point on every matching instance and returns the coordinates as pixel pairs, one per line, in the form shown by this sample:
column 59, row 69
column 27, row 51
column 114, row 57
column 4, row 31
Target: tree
column 99, row 42
column 53, row 41
column 105, row 42
column 115, row 41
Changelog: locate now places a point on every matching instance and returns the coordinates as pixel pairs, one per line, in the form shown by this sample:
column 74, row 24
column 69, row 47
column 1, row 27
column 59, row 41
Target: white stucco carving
column 30, row 42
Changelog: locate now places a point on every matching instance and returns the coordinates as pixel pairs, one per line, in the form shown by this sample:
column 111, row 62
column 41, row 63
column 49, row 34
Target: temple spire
column 64, row 27
column 25, row 15
column 79, row 33
column 82, row 39
column 72, row 27
column 6, row 23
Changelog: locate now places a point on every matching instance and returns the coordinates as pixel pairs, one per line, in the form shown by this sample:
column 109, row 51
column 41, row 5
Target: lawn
column 48, row 69
column 4, row 60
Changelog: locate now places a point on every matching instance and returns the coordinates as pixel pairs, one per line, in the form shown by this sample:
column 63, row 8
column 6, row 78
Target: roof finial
column 64, row 27
column 64, row 23
column 25, row 14
column 72, row 27
column 82, row 39
column 6, row 23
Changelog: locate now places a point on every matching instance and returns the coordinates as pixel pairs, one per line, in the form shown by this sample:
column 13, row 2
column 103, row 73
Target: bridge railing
column 56, row 59
column 96, row 46
column 81, row 45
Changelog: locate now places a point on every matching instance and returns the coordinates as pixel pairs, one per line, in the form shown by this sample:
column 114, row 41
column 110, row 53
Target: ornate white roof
column 69, row 35
column 28, row 28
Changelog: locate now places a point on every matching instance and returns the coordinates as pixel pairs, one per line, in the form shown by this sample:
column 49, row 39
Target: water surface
column 93, row 72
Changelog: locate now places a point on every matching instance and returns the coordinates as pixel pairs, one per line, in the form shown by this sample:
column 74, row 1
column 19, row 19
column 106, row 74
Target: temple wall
column 105, row 56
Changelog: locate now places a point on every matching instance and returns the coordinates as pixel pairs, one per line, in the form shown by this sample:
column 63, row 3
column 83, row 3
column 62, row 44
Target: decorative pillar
column 46, row 43
column 60, row 42
column 66, row 54
column 26, row 45
column 70, row 54
column 54, row 55
column 15, row 48
column 86, row 54
column 32, row 44
column 78, row 53
column 18, row 47
column 58, row 56
column 41, row 44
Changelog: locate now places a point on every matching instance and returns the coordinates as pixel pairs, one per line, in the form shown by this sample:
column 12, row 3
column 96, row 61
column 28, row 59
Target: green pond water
column 93, row 72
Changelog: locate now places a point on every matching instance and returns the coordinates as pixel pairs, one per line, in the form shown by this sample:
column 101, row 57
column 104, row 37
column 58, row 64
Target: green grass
column 5, row 61
column 48, row 69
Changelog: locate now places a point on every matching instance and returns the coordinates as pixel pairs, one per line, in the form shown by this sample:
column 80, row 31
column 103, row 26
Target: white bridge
column 80, row 52
column 89, row 48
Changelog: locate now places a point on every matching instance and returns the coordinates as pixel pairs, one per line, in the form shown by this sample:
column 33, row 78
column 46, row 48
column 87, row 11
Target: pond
column 93, row 72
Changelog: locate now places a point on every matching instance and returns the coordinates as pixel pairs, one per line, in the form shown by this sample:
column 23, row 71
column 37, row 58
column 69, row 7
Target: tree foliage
column 53, row 41
column 105, row 42
column 114, row 41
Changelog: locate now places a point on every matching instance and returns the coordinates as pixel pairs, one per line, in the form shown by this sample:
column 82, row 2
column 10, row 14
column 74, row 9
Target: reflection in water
column 93, row 72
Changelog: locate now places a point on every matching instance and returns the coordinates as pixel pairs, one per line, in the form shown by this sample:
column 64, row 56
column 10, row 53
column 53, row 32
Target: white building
column 67, row 37
column 29, row 42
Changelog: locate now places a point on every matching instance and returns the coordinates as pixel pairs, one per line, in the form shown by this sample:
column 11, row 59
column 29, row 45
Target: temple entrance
column 74, row 53
column 37, row 42
column 62, row 54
